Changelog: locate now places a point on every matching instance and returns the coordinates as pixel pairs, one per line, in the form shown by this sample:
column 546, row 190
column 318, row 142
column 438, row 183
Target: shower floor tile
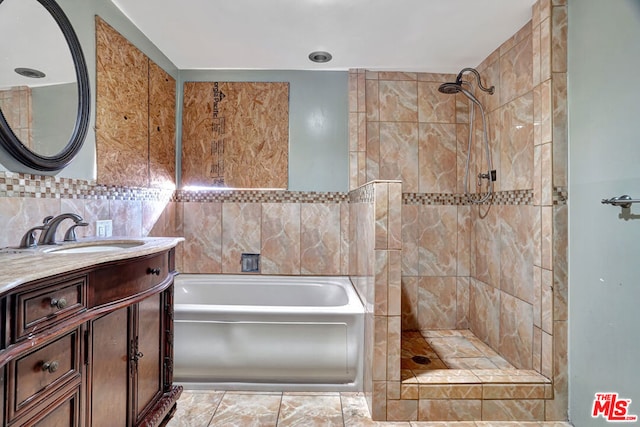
column 448, row 349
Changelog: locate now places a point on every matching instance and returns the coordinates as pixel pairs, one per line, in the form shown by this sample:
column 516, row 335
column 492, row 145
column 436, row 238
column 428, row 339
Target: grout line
column 279, row 409
column 216, row 408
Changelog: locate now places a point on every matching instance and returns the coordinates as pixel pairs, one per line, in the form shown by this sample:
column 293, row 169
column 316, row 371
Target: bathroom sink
column 93, row 247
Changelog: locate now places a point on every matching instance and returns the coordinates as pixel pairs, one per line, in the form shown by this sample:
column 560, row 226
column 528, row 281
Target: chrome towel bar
column 623, row 201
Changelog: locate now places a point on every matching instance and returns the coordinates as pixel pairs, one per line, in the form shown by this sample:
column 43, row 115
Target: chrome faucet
column 29, row 238
column 49, row 229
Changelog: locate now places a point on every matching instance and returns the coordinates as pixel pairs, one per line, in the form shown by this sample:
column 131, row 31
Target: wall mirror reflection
column 44, row 88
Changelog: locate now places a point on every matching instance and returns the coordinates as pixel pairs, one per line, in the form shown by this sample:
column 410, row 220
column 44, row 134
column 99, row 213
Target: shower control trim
column 623, row 201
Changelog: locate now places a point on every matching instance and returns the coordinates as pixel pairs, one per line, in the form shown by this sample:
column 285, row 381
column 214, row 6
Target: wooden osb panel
column 122, row 87
column 235, row 135
column 162, row 128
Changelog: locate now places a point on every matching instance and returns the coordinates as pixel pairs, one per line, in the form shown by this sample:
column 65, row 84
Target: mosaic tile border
column 52, row 187
column 258, row 196
column 515, row 197
column 37, row 186
column 362, row 194
column 560, row 196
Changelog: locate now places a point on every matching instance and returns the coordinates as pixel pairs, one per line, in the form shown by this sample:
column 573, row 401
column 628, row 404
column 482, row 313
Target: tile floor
column 275, row 409
column 448, row 349
column 451, row 349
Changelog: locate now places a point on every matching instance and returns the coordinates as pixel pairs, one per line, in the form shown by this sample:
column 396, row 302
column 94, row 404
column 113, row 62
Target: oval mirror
column 44, row 85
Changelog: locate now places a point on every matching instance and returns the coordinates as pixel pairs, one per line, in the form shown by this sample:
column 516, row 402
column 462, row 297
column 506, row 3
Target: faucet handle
column 29, row 238
column 47, row 219
column 70, row 235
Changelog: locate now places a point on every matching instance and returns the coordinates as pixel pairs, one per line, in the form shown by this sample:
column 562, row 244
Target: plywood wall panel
column 122, row 88
column 198, row 156
column 235, row 134
column 162, row 128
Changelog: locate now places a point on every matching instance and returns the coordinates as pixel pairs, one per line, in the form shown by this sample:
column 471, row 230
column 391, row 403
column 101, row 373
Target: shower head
column 450, row 88
column 453, row 88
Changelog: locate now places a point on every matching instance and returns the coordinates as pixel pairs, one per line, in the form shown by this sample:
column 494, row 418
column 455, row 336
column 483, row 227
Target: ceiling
column 28, row 24
column 408, row 35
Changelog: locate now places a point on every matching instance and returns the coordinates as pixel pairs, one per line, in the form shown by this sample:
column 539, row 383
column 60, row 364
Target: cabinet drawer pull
column 155, row 271
column 60, row 303
column 50, row 366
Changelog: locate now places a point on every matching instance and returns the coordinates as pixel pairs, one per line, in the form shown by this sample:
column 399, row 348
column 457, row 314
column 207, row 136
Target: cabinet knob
column 59, row 303
column 155, row 271
column 136, row 356
column 51, row 367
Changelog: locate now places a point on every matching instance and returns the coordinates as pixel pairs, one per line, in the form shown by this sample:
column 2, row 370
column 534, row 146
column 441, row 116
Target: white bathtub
column 253, row 332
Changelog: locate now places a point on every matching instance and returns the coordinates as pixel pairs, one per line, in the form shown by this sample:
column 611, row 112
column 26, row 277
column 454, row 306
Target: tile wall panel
column 280, row 253
column 15, row 104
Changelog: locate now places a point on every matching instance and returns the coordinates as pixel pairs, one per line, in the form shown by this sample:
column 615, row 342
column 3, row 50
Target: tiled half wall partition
column 375, row 252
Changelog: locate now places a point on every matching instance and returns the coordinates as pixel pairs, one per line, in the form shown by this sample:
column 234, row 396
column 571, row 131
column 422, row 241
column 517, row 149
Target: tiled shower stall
column 420, row 255
column 497, row 269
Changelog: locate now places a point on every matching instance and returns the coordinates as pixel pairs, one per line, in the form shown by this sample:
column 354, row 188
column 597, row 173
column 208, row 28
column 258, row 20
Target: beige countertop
column 26, row 265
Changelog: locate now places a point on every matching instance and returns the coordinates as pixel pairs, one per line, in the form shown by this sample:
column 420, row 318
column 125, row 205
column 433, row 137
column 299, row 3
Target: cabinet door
column 149, row 361
column 109, row 369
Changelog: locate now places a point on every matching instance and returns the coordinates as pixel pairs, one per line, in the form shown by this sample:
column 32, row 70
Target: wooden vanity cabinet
column 126, row 369
column 108, row 370
column 102, row 358
column 147, row 348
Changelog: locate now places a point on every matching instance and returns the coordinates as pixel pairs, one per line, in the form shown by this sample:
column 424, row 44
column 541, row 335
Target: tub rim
column 354, row 304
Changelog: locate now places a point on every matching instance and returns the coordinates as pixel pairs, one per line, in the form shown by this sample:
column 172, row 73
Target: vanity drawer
column 41, row 372
column 45, row 306
column 60, row 411
column 121, row 281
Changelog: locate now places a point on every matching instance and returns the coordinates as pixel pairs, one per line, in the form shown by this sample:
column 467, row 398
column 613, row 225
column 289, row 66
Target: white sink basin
column 94, row 247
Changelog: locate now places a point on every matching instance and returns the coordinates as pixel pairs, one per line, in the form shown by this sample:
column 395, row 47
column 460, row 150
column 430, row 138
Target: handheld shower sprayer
column 457, row 87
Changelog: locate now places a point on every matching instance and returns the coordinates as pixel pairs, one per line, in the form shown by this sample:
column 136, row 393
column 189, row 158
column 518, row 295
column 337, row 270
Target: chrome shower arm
column 475, row 73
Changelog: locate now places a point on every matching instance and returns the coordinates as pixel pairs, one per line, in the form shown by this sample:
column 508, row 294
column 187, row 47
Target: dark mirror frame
column 12, row 144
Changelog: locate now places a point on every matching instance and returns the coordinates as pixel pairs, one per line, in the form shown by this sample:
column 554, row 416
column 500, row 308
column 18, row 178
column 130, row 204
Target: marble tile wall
column 292, row 237
column 375, row 248
column 27, row 199
column 15, row 103
column 499, row 269
column 295, row 232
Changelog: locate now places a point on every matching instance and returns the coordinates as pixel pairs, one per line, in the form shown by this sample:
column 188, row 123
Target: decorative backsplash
column 515, row 197
column 258, row 196
column 36, row 186
column 51, row 187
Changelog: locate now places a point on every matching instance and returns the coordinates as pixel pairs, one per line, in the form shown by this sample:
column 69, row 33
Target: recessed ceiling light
column 30, row 72
column 320, row 56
